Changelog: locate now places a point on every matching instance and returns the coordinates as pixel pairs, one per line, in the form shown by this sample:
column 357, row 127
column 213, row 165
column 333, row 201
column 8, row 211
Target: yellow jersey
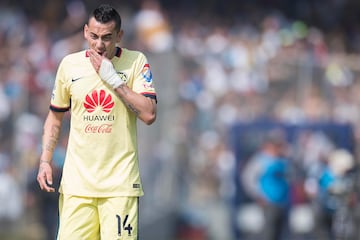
column 101, row 158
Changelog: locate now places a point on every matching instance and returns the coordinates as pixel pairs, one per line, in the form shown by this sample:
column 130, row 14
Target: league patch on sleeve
column 146, row 73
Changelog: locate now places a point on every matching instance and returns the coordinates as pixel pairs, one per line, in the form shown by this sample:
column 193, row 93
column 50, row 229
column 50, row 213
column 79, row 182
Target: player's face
column 102, row 37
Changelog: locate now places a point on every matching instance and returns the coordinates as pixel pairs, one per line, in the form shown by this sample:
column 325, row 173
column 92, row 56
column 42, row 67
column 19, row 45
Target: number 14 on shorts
column 123, row 226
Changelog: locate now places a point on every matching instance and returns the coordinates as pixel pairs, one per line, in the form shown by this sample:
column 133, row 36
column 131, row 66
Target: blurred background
column 258, row 116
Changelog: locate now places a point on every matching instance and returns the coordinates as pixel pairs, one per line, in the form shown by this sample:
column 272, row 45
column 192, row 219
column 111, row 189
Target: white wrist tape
column 109, row 75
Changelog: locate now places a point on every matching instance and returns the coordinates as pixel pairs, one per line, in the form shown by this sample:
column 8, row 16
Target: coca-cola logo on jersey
column 102, row 128
column 95, row 102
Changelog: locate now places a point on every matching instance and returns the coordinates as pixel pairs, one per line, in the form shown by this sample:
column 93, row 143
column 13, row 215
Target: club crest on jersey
column 98, row 99
column 146, row 73
column 123, row 76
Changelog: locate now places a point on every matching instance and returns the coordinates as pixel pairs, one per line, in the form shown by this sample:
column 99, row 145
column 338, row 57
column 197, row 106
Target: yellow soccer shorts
column 84, row 218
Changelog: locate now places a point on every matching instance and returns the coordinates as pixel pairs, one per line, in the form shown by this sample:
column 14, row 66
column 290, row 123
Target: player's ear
column 119, row 36
column 86, row 30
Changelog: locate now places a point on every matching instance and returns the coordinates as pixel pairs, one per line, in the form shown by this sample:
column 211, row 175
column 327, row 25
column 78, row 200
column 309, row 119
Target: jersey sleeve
column 60, row 97
column 143, row 82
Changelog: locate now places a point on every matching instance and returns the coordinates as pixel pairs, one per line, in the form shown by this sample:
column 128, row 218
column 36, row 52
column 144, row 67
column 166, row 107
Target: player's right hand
column 105, row 69
column 44, row 177
column 108, row 74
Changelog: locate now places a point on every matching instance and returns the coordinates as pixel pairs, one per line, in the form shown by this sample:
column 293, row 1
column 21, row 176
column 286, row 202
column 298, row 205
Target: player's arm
column 50, row 138
column 143, row 107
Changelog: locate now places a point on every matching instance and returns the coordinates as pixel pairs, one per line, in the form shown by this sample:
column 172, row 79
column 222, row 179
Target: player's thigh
column 119, row 218
column 79, row 218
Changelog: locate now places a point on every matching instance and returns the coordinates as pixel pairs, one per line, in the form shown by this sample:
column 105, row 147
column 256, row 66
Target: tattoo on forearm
column 53, row 138
column 130, row 106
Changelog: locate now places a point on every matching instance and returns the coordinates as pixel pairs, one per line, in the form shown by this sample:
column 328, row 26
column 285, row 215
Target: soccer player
column 107, row 88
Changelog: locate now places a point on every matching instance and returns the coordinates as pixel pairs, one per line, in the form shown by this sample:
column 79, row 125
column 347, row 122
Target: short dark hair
column 105, row 13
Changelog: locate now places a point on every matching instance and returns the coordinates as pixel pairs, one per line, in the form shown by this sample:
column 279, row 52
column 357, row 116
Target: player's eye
column 106, row 38
column 93, row 36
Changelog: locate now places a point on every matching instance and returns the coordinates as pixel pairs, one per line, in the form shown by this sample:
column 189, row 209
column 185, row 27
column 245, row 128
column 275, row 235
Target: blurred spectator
column 266, row 180
column 5, row 104
column 11, row 206
column 323, row 185
column 152, row 27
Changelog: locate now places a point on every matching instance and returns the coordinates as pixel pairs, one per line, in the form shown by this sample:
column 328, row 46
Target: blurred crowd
column 278, row 70
column 263, row 65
